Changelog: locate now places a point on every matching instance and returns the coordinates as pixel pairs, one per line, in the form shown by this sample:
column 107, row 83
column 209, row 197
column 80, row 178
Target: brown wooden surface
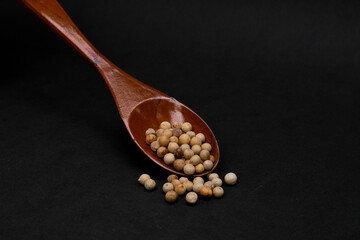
column 140, row 106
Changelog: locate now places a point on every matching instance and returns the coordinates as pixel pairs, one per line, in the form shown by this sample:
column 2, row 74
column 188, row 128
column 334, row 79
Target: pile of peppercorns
column 174, row 187
column 181, row 147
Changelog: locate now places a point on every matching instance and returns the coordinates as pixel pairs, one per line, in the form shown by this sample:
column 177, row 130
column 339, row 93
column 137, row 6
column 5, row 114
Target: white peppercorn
column 196, row 149
column 150, row 138
column 186, row 127
column 204, row 154
column 212, row 158
column 171, row 177
column 173, row 139
column 188, row 185
column 218, row 192
column 172, row 147
column 217, row 182
column 189, row 169
column 180, row 189
column 150, row 184
column 179, row 153
column 167, row 187
column 191, row 197
column 205, row 192
column 165, row 125
column 195, row 160
column 155, row 145
column 162, row 151
column 185, row 146
column 208, row 164
column 184, row 139
column 143, row 177
column 198, row 179
column 168, row 133
column 199, row 168
column 197, row 187
column 201, row 136
column 230, row 178
column 209, row 184
column 159, row 132
column 183, row 179
column 195, row 141
column 206, row 146
column 175, row 182
column 179, row 164
column 163, row 140
column 211, row 176
column 191, row 134
column 171, row 196
column 150, row 131
column 177, row 132
column 176, row 125
column 169, row 158
column 188, row 153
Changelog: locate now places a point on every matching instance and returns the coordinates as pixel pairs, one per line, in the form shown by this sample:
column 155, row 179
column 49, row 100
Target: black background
column 277, row 82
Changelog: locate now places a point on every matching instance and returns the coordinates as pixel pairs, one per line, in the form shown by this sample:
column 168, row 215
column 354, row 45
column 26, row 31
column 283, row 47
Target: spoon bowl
column 140, row 106
column 153, row 111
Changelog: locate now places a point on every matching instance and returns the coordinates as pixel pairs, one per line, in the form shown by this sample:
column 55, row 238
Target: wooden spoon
column 140, row 106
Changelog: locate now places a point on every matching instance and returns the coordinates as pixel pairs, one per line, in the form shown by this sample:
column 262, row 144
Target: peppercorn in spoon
column 140, row 106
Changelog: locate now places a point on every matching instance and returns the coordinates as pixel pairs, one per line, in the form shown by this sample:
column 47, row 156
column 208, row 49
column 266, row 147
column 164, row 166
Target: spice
column 217, row 182
column 186, row 127
column 163, row 140
column 196, row 149
column 195, row 160
column 171, row 177
column 165, row 125
column 162, row 151
column 189, row 169
column 169, row 158
column 230, row 178
column 179, row 164
column 149, row 184
column 184, row 139
column 205, row 192
column 201, row 136
column 218, row 192
column 188, row 153
column 208, row 164
column 167, row 187
column 199, row 168
column 197, row 187
column 171, row 196
column 188, row 185
column 180, row 189
column 211, row 176
column 204, row 154
column 206, row 146
column 143, row 178
column 172, row 147
column 191, row 197
column 183, row 179
column 194, row 141
column 198, row 179
column 176, row 125
column 150, row 138
column 177, row 132
column 155, row 145
column 150, row 131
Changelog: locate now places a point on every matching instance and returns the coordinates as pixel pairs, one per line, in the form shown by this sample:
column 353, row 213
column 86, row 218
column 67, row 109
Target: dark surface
column 277, row 83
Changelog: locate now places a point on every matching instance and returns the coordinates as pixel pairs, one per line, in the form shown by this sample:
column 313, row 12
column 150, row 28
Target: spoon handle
column 126, row 90
column 51, row 12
